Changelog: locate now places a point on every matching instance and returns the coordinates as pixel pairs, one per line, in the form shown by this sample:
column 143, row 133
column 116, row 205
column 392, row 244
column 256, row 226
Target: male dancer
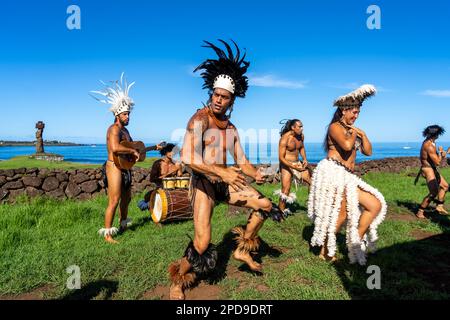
column 430, row 159
column 290, row 147
column 118, row 181
column 209, row 136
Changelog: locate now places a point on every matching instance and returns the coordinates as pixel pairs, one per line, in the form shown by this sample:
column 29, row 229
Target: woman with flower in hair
column 337, row 194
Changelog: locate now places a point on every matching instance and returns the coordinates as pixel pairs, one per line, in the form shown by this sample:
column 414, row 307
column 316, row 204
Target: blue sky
column 303, row 55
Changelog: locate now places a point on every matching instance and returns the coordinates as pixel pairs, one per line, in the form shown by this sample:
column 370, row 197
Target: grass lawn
column 26, row 162
column 39, row 239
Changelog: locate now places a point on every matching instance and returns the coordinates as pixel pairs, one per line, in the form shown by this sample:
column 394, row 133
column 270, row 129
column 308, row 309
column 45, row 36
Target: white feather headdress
column 116, row 95
column 356, row 97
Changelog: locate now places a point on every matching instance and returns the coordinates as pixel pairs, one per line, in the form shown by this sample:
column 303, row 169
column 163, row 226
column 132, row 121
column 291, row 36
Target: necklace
column 222, row 124
column 348, row 129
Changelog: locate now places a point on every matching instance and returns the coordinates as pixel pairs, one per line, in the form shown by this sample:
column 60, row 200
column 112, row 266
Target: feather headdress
column 227, row 71
column 433, row 132
column 116, row 94
column 356, row 97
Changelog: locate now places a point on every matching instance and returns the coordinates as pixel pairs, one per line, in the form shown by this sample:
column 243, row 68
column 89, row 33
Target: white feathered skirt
column 330, row 181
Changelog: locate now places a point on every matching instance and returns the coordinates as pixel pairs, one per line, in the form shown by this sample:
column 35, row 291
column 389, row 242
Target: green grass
column 26, row 162
column 40, row 238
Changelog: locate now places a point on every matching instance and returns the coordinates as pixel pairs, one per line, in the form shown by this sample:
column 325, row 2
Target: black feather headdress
column 228, row 68
column 433, row 132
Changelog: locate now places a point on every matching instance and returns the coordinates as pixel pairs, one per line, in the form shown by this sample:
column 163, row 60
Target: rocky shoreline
column 83, row 184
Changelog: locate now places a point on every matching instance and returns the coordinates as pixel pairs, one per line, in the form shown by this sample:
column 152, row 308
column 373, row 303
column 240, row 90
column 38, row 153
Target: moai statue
column 39, row 141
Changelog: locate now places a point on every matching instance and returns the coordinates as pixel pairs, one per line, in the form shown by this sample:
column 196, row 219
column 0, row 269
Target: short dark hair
column 168, row 148
column 433, row 132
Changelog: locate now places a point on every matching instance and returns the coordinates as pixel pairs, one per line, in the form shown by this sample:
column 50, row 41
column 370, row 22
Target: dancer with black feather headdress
column 337, row 194
column 209, row 137
column 430, row 159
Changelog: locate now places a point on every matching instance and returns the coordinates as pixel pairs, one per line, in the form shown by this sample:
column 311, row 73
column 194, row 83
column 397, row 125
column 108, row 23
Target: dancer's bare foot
column 176, row 292
column 324, row 255
column 327, row 258
column 441, row 210
column 420, row 214
column 110, row 239
column 246, row 258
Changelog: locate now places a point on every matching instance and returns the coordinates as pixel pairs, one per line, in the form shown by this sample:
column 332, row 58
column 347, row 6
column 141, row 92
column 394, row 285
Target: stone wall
column 84, row 184
column 79, row 184
column 389, row 165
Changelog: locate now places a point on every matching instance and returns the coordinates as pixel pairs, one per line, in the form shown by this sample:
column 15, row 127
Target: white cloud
column 356, row 85
column 271, row 81
column 437, row 93
column 268, row 81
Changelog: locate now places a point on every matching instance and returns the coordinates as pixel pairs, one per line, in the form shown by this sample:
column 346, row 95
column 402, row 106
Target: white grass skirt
column 329, row 183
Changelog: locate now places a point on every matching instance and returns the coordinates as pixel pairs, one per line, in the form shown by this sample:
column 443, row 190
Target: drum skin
column 176, row 183
column 174, row 205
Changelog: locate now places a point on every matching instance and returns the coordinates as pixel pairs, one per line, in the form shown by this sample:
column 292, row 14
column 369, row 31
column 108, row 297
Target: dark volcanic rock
column 20, row 171
column 89, row 186
column 80, row 178
column 8, row 173
column 14, row 178
column 72, row 190
column 50, row 184
column 32, row 171
column 138, row 177
column 62, row 177
column 63, row 185
column 35, row 182
column 13, row 185
column 33, row 192
column 58, row 193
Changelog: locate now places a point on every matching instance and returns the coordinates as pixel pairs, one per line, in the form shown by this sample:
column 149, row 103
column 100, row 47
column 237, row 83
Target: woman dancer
column 337, row 194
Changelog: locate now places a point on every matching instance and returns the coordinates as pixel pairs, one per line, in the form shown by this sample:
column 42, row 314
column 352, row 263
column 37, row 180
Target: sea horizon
column 257, row 153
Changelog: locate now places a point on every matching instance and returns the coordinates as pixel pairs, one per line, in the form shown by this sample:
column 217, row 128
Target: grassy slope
column 40, row 239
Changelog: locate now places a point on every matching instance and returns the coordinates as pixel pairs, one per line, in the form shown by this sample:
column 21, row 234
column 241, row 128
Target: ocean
column 96, row 154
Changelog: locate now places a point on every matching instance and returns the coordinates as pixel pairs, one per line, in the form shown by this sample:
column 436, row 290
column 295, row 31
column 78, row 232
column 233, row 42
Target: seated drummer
column 165, row 167
column 162, row 168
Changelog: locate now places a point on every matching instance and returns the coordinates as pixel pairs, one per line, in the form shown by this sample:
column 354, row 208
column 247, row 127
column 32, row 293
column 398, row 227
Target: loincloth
column 437, row 175
column 220, row 188
column 126, row 178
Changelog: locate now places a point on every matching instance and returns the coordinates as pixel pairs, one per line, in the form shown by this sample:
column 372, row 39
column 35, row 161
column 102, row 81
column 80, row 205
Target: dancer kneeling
column 337, row 194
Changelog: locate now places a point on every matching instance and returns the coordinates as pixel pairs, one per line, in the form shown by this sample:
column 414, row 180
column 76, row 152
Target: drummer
column 166, row 166
column 162, row 168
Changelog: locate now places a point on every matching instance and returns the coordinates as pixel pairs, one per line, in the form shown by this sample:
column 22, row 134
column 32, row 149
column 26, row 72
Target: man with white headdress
column 117, row 181
column 337, row 194
column 210, row 136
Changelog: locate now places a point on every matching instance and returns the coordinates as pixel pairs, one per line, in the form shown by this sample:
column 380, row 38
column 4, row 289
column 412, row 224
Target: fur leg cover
column 201, row 263
column 329, row 183
column 289, row 199
column 186, row 280
column 275, row 213
column 108, row 231
column 126, row 223
column 243, row 244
